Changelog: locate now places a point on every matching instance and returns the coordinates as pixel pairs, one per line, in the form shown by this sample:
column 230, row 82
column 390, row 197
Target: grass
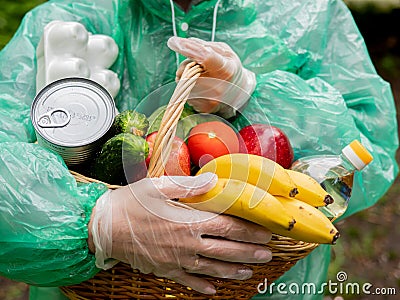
column 369, row 247
column 11, row 14
column 11, row 290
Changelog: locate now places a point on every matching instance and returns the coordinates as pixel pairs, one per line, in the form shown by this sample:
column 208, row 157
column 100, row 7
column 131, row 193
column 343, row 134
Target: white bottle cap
column 357, row 154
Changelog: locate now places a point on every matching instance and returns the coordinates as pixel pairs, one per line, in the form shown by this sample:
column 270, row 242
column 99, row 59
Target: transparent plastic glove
column 225, row 84
column 137, row 224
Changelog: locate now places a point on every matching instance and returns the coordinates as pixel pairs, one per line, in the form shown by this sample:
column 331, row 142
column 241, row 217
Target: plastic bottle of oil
column 335, row 174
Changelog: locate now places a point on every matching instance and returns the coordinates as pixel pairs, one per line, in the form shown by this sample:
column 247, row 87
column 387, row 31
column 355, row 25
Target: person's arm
column 333, row 97
column 43, row 218
column 345, row 64
column 43, row 212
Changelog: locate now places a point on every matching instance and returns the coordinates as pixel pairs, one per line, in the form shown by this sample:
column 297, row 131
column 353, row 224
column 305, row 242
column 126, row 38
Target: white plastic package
column 67, row 49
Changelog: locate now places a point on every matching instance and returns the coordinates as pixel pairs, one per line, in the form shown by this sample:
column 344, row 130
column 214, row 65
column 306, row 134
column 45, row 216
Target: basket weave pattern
column 121, row 282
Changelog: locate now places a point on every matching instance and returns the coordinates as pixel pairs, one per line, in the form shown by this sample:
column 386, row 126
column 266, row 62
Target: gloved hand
column 137, row 224
column 225, row 84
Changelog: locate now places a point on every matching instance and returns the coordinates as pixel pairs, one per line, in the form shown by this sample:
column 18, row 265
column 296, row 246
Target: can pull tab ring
column 47, row 120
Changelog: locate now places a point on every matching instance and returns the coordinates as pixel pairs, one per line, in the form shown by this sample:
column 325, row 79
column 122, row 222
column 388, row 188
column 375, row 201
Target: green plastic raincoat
column 315, row 80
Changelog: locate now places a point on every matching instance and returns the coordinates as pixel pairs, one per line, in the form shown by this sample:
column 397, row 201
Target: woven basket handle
column 165, row 136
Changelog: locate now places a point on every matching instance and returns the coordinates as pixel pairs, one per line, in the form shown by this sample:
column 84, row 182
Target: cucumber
column 118, row 154
column 156, row 117
column 130, row 121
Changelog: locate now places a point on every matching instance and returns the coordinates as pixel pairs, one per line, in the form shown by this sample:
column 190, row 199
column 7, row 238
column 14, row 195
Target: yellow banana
column 311, row 224
column 244, row 200
column 310, row 191
column 256, row 170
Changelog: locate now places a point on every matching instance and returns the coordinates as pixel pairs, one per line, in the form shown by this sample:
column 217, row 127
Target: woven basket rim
column 122, row 282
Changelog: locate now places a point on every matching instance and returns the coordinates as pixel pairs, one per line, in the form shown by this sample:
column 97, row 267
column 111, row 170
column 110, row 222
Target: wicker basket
column 121, row 282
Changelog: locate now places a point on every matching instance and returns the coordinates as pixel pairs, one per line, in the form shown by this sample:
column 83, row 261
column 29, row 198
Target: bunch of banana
column 260, row 190
column 247, row 201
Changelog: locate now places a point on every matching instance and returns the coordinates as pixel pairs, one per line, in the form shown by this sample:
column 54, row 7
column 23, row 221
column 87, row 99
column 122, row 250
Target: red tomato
column 178, row 163
column 210, row 140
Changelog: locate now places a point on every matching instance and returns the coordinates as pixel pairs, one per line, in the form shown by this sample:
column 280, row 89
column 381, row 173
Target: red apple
column 178, row 163
column 268, row 141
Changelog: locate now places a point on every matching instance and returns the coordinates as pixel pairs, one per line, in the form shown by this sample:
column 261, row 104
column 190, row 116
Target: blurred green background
column 11, row 13
column 369, row 249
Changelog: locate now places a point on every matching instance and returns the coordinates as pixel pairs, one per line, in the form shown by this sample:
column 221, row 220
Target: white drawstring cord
column 214, row 25
column 174, row 30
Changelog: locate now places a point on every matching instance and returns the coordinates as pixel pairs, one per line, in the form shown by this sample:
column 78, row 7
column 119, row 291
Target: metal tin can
column 73, row 117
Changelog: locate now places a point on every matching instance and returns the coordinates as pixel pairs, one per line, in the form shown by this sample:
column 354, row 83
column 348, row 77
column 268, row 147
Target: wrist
column 90, row 241
column 248, row 83
column 100, row 232
column 239, row 93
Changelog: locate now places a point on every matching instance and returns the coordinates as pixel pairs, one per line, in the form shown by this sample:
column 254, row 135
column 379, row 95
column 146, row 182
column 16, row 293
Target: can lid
column 73, row 112
column 357, row 154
